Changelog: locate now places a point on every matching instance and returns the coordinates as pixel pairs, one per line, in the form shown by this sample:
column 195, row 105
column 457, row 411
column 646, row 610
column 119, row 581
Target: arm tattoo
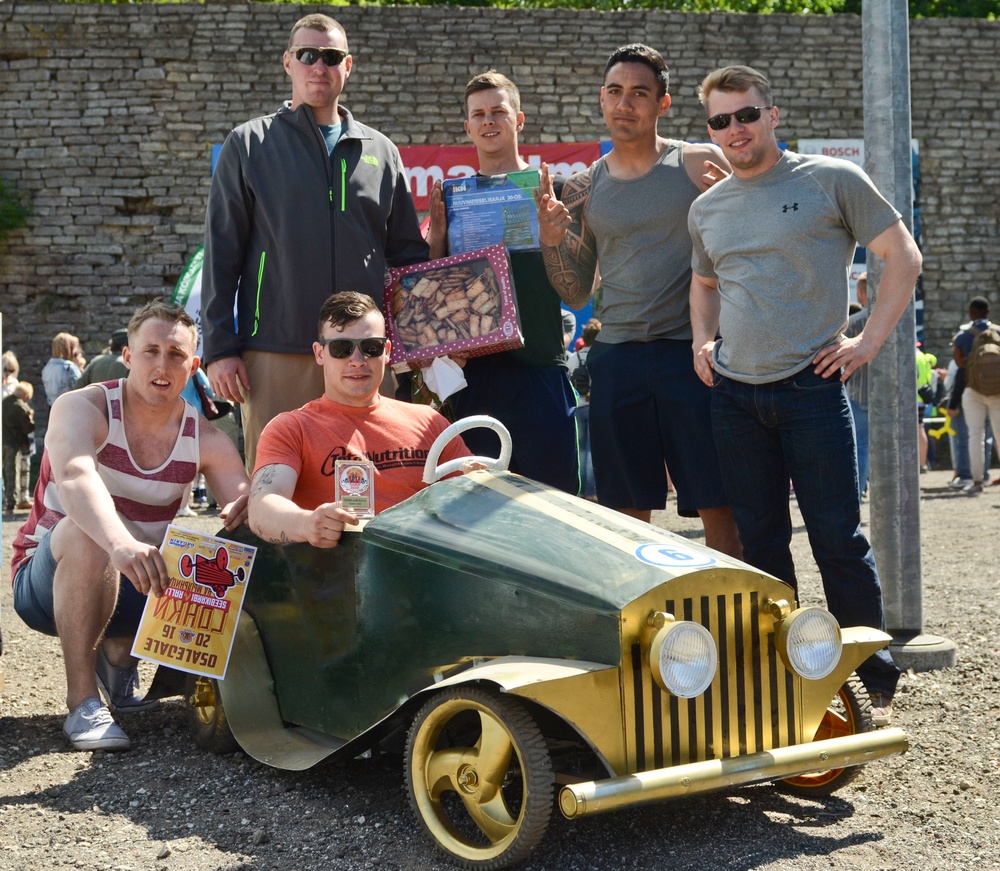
column 572, row 265
column 262, row 481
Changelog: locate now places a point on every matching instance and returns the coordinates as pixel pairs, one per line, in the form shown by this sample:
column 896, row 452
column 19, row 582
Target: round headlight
column 809, row 642
column 683, row 658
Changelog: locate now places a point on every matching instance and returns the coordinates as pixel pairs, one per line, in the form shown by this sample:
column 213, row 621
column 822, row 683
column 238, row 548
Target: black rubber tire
column 206, row 715
column 479, row 777
column 850, row 713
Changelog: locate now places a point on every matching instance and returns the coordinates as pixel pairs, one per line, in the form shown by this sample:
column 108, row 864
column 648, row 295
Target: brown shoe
column 881, row 709
column 24, row 506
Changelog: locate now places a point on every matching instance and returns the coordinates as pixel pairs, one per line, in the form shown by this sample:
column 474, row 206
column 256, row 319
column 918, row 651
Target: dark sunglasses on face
column 746, row 115
column 341, row 349
column 308, row 55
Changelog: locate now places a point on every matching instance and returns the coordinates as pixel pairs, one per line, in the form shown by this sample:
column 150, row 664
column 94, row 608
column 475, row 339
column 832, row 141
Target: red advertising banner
column 426, row 164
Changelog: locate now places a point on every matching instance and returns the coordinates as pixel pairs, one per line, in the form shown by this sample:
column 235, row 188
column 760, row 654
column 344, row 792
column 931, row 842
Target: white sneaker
column 973, row 487
column 91, row 727
column 957, row 483
column 185, row 511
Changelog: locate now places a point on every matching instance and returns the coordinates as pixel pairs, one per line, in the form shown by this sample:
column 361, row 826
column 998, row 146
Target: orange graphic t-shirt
column 395, row 436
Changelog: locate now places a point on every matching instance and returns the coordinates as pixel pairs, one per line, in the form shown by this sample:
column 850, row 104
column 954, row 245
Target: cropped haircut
column 345, row 308
column 316, row 21
column 637, row 53
column 979, row 307
column 161, row 310
column 492, row 80
column 735, row 79
column 65, row 346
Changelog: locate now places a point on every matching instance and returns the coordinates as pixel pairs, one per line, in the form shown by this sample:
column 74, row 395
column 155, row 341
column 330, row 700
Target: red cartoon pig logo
column 212, row 572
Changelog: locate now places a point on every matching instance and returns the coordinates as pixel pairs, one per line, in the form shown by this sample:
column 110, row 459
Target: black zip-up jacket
column 288, row 224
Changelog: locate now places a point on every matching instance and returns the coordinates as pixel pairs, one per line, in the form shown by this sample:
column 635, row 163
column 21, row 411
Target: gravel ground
column 168, row 805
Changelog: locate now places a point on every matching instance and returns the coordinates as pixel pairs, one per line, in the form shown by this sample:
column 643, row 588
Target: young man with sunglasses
column 627, row 216
column 303, row 203
column 292, row 494
column 527, row 390
column 772, row 246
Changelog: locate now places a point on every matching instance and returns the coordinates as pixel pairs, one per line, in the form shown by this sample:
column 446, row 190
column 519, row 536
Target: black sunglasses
column 746, row 115
column 340, row 349
column 309, row 54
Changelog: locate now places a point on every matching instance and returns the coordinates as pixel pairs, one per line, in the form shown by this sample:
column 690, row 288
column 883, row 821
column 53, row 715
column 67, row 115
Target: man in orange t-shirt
column 292, row 493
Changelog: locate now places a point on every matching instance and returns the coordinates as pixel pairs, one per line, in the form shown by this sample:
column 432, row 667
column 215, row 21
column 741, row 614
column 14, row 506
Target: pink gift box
column 463, row 305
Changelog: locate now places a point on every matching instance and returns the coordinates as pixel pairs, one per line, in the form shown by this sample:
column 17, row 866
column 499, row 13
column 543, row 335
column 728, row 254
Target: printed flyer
column 191, row 627
column 489, row 210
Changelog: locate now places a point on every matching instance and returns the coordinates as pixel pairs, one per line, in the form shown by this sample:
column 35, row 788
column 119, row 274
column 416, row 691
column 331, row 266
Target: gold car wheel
column 479, row 777
column 207, row 717
column 850, row 713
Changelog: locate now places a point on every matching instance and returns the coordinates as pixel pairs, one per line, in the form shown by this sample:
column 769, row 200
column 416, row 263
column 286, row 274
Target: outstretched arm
column 224, row 472
column 276, row 518
column 568, row 247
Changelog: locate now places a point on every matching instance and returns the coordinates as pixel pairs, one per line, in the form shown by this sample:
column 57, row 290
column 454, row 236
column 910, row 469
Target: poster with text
column 191, row 627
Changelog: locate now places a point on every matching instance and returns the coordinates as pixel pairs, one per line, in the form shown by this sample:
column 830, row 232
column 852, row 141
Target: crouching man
column 118, row 462
column 292, row 497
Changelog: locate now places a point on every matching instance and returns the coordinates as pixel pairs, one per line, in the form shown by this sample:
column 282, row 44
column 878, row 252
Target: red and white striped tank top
column 146, row 499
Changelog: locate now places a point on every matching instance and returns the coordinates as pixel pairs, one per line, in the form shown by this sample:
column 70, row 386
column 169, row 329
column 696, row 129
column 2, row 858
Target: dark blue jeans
column 801, row 429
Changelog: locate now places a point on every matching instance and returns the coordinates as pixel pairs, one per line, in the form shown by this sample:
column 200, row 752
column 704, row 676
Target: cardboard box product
column 463, row 304
column 486, row 210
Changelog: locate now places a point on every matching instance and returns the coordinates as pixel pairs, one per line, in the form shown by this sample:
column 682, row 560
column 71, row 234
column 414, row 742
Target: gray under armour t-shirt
column 643, row 249
column 780, row 245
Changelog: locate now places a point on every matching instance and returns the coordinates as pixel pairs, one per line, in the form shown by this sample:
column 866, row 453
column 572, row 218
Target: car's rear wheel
column 850, row 713
column 479, row 777
column 206, row 716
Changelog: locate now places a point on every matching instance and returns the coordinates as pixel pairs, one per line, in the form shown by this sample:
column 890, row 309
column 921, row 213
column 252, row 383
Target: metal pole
column 892, row 407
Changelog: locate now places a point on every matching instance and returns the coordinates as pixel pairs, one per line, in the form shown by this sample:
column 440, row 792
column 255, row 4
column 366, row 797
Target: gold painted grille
column 750, row 706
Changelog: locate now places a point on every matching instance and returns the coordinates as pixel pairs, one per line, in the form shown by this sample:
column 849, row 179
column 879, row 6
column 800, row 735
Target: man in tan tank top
column 626, row 217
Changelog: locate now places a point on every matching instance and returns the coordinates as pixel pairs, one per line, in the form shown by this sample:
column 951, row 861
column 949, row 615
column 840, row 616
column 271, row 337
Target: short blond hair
column 24, row 390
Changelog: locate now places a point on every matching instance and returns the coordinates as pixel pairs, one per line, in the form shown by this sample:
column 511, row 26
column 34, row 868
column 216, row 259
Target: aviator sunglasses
column 340, row 349
column 309, row 54
column 746, row 115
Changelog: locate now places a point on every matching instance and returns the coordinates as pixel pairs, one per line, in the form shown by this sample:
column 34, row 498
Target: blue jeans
column 587, row 485
column 801, row 428
column 860, row 415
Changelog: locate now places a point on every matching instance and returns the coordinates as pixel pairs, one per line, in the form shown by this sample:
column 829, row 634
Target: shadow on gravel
column 347, row 814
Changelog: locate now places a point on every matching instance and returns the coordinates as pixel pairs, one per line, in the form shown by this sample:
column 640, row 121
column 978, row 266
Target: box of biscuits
column 463, row 305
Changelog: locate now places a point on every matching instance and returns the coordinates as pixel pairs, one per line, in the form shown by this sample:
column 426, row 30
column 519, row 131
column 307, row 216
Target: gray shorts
column 33, row 596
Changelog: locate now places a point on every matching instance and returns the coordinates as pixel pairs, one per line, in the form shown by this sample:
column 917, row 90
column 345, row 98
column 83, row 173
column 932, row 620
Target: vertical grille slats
column 750, row 706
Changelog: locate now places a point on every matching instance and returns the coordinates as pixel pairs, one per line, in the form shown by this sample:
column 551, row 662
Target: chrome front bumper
column 597, row 796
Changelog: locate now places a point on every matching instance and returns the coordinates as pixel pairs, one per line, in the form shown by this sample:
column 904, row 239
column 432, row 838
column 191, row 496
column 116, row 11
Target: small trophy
column 356, row 486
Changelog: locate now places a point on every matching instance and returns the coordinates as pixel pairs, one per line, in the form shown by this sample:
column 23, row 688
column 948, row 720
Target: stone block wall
column 108, row 114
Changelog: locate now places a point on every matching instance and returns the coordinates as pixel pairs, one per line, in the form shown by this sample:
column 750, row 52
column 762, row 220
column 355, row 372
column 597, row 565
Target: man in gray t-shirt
column 771, row 248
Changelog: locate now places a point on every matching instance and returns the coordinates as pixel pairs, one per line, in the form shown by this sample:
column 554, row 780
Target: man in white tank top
column 118, row 462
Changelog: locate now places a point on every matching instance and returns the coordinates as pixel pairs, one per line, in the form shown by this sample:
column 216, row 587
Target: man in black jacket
column 304, row 203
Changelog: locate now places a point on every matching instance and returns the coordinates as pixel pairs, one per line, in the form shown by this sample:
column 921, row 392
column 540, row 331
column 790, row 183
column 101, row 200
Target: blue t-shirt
column 331, row 133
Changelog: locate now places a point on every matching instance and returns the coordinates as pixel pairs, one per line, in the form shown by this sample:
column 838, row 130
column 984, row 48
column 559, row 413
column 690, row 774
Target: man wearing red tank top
column 118, row 462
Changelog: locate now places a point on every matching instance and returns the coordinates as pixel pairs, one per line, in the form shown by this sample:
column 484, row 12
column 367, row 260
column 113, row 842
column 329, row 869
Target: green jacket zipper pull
column 343, row 185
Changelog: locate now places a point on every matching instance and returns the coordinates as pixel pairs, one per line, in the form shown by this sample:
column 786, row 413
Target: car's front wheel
column 850, row 713
column 479, row 777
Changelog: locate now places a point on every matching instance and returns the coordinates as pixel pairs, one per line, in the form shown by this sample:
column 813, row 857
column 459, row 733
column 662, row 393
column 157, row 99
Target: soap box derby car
column 526, row 649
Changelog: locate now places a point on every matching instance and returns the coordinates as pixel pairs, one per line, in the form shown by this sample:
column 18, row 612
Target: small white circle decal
column 672, row 556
